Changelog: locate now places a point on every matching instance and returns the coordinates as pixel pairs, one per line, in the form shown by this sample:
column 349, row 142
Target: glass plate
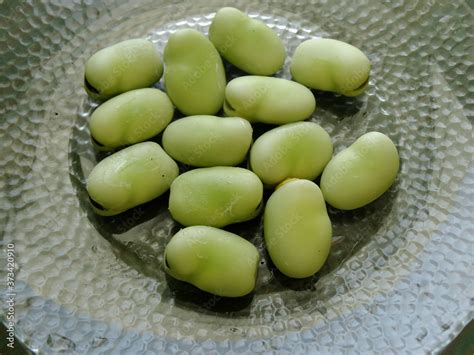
column 399, row 277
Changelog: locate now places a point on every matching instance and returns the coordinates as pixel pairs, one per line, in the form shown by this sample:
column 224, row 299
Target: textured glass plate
column 399, row 277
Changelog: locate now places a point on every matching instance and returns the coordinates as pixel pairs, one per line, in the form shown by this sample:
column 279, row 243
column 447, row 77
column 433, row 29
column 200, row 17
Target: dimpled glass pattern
column 399, row 277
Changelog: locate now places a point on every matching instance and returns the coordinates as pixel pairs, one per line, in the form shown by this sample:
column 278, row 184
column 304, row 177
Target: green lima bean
column 331, row 65
column 206, row 141
column 360, row 173
column 130, row 118
column 213, row 260
column 125, row 66
column 247, row 43
column 297, row 229
column 130, row 177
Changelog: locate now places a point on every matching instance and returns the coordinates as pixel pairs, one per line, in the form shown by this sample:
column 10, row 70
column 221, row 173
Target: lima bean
column 331, row 65
column 248, row 44
column 215, row 197
column 194, row 77
column 122, row 67
column 130, row 118
column 297, row 229
column 296, row 150
column 213, row 260
column 206, row 141
column 360, row 173
column 268, row 100
column 130, row 177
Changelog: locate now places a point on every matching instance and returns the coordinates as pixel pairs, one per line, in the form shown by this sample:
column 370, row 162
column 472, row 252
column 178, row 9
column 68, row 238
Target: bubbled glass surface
column 399, row 277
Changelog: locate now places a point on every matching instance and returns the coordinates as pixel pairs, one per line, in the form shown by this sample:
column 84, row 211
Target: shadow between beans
column 261, row 128
column 303, row 284
column 353, row 229
column 339, row 106
column 102, row 154
column 191, row 297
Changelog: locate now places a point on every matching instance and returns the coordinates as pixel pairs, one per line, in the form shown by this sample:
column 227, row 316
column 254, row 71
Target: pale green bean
column 213, row 260
column 130, row 118
column 360, row 173
column 297, row 229
column 206, row 141
column 268, row 100
column 122, row 67
column 296, row 150
column 331, row 65
column 194, row 76
column 215, row 196
column 130, row 177
column 247, row 43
